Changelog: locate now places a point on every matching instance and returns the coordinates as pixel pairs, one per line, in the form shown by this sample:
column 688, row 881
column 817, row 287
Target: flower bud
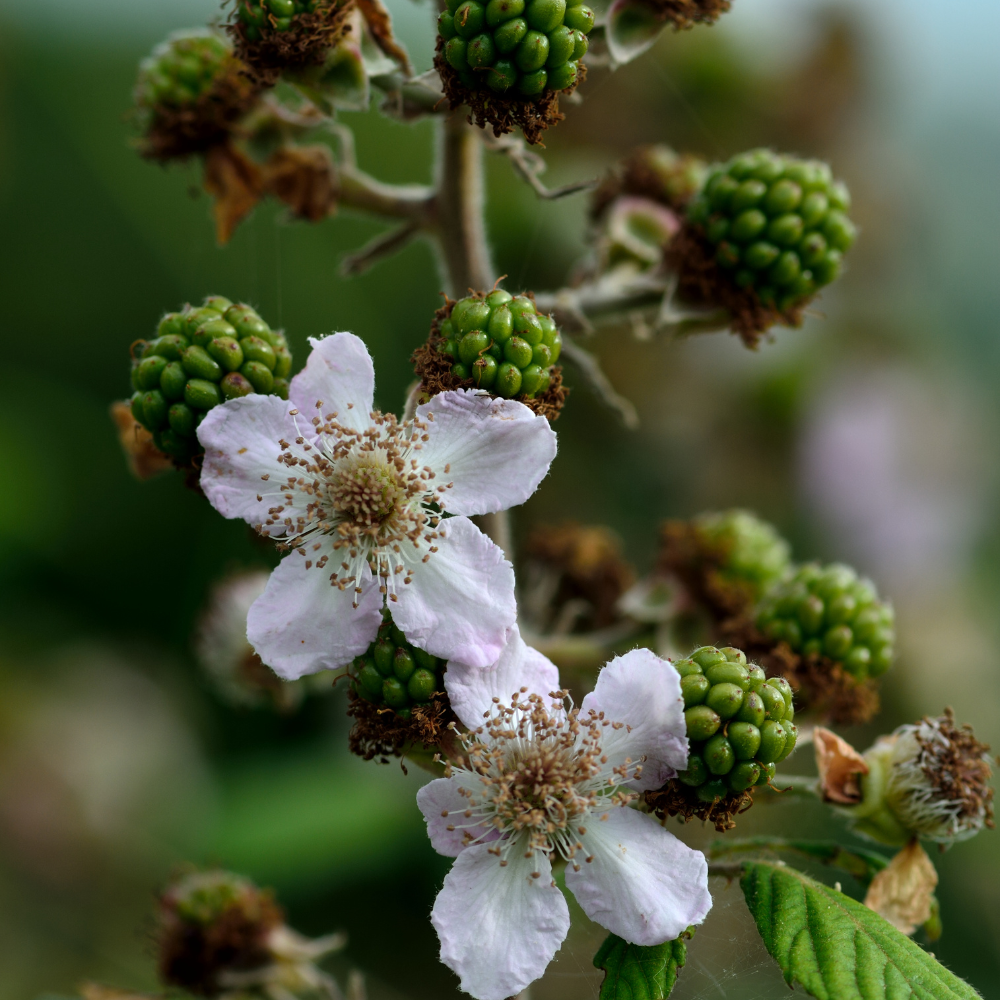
column 508, row 60
column 201, row 358
column 190, row 94
column 739, row 725
column 496, row 342
column 928, row 780
column 761, row 237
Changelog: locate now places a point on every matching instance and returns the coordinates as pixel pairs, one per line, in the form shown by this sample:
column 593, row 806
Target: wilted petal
column 495, row 451
column 903, row 891
column 339, row 374
column 632, row 28
column 241, row 472
column 460, row 602
column 442, row 804
column 643, row 884
column 499, row 927
column 840, row 767
column 302, row 624
column 471, row 690
column 643, row 691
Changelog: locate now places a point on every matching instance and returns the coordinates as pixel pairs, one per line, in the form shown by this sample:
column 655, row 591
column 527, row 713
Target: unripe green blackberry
column 189, row 93
column 497, row 342
column 395, row 673
column 508, row 59
column 739, row 723
column 726, row 560
column 828, row 611
column 200, row 358
column 776, row 224
column 261, row 16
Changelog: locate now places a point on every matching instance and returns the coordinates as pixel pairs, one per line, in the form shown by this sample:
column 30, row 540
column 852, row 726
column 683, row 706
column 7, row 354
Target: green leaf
column 862, row 864
column 836, row 947
column 636, row 973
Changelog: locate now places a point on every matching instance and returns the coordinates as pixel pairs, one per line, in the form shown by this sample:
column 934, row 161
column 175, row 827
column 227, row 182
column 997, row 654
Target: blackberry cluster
column 746, row 549
column 394, row 672
column 201, row 357
column 778, row 224
column 181, row 69
column 501, row 343
column 260, row 15
column 739, row 723
column 514, row 46
column 829, row 611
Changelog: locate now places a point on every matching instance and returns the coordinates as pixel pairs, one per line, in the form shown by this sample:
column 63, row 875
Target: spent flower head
column 544, row 781
column 928, row 780
column 371, row 510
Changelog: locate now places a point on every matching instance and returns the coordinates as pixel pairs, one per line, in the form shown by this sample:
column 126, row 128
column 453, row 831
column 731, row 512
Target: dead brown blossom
column 683, row 14
column 583, row 571
column 655, row 172
column 433, row 368
column 702, row 282
column 304, row 44
column 677, row 799
column 193, row 954
column 305, row 179
column 379, row 732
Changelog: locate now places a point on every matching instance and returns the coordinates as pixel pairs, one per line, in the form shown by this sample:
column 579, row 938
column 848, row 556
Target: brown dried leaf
column 236, row 183
column 839, row 766
column 145, row 460
column 903, row 891
column 380, row 25
column 305, row 179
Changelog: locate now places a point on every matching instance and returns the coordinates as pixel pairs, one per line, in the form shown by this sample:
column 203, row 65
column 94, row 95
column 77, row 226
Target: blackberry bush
column 200, row 358
column 776, row 224
column 395, row 673
column 739, row 723
column 830, row 612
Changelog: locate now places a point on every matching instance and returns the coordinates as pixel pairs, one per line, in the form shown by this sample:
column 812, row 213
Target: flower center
column 366, row 489
column 538, row 774
column 356, row 498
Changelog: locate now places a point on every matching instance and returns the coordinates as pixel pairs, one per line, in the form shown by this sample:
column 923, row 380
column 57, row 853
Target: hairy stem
column 460, row 228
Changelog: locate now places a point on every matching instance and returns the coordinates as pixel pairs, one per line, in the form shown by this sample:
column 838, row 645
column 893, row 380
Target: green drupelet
column 778, row 224
column 201, row 357
column 739, row 723
column 517, row 47
column 181, row 69
column 396, row 673
column 501, row 343
column 261, row 15
column 829, row 611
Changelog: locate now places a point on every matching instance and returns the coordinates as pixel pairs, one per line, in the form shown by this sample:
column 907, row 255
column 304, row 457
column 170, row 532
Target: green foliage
column 633, row 972
column 863, row 865
column 835, row 947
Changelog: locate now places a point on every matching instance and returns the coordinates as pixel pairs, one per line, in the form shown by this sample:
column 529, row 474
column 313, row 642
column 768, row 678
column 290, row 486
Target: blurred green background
column 871, row 435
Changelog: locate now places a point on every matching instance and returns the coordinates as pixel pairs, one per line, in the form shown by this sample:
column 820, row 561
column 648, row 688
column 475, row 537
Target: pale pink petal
column 499, row 927
column 642, row 691
column 302, row 624
column 442, row 804
column 340, row 375
column 241, row 470
column 471, row 690
column 460, row 602
column 643, row 884
column 494, row 452
column 631, row 28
